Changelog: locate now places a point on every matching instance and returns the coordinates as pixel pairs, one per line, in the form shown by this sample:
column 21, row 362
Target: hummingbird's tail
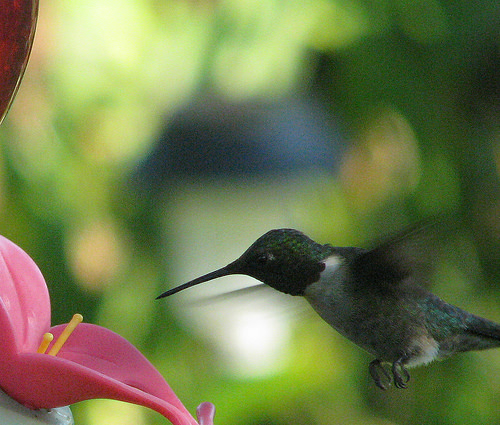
column 482, row 333
column 459, row 330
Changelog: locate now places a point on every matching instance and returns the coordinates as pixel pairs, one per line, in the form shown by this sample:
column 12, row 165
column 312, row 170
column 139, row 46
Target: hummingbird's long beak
column 224, row 271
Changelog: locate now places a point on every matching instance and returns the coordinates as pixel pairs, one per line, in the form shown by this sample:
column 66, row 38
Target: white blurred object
column 210, row 226
column 13, row 413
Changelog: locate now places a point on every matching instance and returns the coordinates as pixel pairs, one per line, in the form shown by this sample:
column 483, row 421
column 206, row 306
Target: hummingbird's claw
column 379, row 374
column 382, row 377
column 400, row 374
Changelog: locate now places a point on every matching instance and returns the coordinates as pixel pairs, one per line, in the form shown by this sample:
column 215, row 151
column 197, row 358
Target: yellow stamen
column 75, row 321
column 47, row 339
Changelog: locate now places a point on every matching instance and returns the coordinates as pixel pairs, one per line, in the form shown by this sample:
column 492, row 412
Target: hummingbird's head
column 285, row 259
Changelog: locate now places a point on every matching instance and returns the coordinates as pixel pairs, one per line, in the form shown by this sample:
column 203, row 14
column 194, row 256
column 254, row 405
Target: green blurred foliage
column 417, row 86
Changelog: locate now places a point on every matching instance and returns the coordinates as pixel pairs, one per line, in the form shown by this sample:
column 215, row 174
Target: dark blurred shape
column 482, row 99
column 215, row 139
column 478, row 157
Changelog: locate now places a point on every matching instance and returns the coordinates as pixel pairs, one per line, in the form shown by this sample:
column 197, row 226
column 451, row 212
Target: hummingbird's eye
column 265, row 258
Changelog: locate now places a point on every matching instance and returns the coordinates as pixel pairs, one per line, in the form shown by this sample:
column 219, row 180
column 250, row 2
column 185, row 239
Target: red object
column 17, row 29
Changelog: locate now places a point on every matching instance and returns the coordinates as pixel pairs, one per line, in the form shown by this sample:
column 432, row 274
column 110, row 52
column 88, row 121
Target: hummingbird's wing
column 412, row 252
column 224, row 296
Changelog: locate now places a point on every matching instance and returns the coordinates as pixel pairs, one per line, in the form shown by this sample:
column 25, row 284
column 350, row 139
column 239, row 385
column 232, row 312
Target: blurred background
column 154, row 141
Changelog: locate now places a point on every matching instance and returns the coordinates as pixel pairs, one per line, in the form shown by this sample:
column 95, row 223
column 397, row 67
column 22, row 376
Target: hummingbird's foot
column 400, row 374
column 382, row 377
column 379, row 374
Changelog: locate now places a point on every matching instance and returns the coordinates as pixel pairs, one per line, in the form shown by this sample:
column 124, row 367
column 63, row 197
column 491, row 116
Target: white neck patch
column 332, row 263
column 324, row 285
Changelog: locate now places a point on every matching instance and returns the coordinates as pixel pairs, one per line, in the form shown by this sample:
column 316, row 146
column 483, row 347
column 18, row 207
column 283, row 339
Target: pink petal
column 94, row 363
column 205, row 413
column 24, row 300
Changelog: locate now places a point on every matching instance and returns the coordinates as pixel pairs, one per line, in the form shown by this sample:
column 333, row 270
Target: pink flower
column 93, row 363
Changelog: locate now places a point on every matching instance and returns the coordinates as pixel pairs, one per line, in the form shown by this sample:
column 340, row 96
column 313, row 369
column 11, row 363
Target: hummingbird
column 374, row 297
